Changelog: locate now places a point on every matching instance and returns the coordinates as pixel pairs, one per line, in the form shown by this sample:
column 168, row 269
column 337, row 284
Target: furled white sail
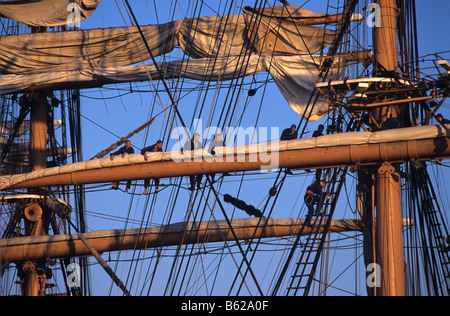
column 203, row 37
column 279, row 30
column 48, row 12
column 218, row 48
column 295, row 76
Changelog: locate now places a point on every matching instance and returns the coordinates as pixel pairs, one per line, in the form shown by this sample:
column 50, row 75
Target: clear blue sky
column 120, row 115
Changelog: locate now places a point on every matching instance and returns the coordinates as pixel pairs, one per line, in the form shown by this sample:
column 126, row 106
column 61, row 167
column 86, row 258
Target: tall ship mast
column 220, row 205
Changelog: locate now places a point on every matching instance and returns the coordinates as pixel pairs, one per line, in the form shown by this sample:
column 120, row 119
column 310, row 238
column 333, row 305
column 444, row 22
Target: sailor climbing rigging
column 314, row 195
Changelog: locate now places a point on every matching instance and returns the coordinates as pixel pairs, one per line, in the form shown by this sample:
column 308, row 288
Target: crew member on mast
column 389, row 123
column 290, row 133
column 314, row 195
column 216, row 142
column 124, row 151
column 318, row 133
column 442, row 120
column 153, row 148
column 192, row 145
column 447, row 248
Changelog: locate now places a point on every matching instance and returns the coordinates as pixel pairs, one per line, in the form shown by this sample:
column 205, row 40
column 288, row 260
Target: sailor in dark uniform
column 289, row 133
column 124, row 151
column 442, row 120
column 216, row 142
column 192, row 145
column 153, row 148
column 313, row 196
column 389, row 123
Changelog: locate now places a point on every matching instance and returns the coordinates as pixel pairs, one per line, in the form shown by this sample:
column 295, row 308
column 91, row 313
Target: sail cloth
column 295, row 76
column 203, row 37
column 40, row 53
column 217, row 48
column 279, row 29
column 47, row 12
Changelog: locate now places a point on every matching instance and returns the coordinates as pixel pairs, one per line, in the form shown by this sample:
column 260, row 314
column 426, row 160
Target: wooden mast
column 389, row 239
column 37, row 217
column 388, row 190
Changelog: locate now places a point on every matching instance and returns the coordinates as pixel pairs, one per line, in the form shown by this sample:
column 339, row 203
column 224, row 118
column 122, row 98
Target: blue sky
column 118, row 111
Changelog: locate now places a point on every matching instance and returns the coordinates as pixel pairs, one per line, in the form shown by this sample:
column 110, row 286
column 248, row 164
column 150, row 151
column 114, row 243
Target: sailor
column 153, row 148
column 442, row 120
column 313, row 196
column 447, row 248
column 192, row 145
column 216, row 142
column 290, row 133
column 389, row 123
column 319, row 131
column 124, row 151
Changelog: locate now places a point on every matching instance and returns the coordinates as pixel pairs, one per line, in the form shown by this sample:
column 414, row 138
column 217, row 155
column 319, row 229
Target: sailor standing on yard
column 153, row 148
column 318, row 133
column 216, row 142
column 389, row 123
column 442, row 120
column 124, row 151
column 313, row 196
column 192, row 145
column 289, row 133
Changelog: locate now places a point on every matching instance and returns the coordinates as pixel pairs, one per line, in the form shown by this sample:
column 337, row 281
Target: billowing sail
column 48, row 12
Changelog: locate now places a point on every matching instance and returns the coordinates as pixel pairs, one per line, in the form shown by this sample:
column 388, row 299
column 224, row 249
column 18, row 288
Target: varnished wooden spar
column 70, row 246
column 310, row 158
column 389, row 237
column 289, row 14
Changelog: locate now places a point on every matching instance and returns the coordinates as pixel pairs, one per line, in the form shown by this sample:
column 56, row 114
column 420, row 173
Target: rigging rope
column 101, row 261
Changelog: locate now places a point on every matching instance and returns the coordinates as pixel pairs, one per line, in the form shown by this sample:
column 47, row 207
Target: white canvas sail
column 204, row 37
column 219, row 48
column 48, row 12
column 295, row 76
